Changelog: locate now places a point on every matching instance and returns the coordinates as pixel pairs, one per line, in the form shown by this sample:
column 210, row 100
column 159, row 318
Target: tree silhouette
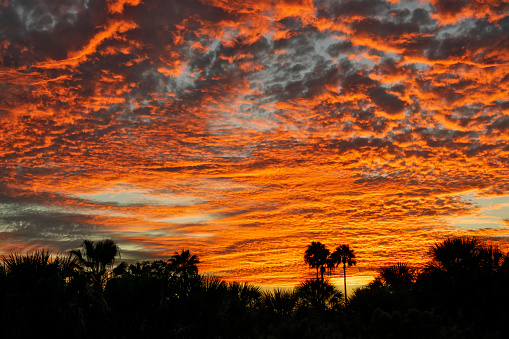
column 397, row 275
column 464, row 257
column 184, row 263
column 317, row 295
column 454, row 255
column 458, row 294
column 95, row 257
column 316, row 257
column 343, row 255
column 38, row 294
column 461, row 267
column 279, row 302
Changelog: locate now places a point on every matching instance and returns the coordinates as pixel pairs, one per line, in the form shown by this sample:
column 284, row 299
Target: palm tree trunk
column 344, row 276
column 316, row 273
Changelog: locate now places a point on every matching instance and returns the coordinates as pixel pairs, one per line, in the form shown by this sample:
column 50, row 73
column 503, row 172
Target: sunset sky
column 244, row 130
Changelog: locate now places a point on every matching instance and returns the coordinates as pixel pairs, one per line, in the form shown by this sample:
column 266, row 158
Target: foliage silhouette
column 396, row 276
column 44, row 296
column 343, row 255
column 318, row 295
column 95, row 257
column 184, row 263
column 315, row 256
column 457, row 294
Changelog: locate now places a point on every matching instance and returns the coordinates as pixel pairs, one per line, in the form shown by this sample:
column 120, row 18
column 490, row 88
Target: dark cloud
column 501, row 124
column 421, row 17
column 357, row 83
column 450, row 7
column 388, row 102
column 343, row 9
column 340, row 48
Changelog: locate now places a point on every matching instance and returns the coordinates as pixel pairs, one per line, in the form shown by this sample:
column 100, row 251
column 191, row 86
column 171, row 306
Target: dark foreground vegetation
column 461, row 293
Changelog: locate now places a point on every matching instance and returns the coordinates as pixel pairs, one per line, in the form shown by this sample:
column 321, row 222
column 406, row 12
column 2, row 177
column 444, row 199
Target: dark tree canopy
column 316, row 257
column 184, row 263
column 458, row 294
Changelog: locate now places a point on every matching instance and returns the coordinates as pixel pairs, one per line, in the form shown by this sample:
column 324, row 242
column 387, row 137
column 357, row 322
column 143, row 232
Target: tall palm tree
column 316, row 256
column 95, row 257
column 184, row 263
column 343, row 255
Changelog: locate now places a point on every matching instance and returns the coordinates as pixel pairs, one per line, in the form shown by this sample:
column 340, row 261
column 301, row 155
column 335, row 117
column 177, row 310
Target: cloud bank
column 246, row 130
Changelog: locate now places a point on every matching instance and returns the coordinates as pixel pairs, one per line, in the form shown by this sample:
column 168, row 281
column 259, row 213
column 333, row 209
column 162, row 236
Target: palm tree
column 464, row 255
column 343, row 254
column 397, row 275
column 184, row 263
column 454, row 255
column 459, row 267
column 279, row 302
column 37, row 292
column 95, row 257
column 318, row 295
column 316, row 257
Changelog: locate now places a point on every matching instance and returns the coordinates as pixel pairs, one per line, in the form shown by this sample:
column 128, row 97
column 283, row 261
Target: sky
column 244, row 130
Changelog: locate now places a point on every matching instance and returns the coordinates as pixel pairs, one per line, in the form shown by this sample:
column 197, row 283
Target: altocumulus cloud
column 252, row 128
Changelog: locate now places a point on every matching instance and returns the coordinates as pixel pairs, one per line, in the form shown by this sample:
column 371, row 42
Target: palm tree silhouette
column 343, row 254
column 95, row 257
column 397, row 275
column 316, row 256
column 184, row 263
column 464, row 255
column 279, row 302
column 459, row 267
column 454, row 255
column 318, row 295
column 37, row 291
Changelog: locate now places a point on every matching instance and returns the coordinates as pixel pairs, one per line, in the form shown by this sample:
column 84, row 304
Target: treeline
column 462, row 292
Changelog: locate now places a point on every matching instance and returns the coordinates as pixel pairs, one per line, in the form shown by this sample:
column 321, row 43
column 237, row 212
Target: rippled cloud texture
column 244, row 130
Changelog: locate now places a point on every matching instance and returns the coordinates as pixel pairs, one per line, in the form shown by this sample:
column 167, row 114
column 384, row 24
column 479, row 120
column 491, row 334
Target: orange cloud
column 117, row 6
column 75, row 58
column 244, row 131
